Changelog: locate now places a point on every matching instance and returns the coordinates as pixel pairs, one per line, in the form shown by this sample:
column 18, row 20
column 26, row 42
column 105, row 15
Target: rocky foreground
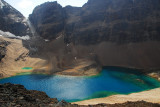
column 12, row 95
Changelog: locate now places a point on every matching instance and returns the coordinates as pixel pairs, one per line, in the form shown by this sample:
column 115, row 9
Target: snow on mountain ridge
column 10, row 35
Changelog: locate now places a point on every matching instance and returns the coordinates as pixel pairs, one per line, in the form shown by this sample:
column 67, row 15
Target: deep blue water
column 110, row 81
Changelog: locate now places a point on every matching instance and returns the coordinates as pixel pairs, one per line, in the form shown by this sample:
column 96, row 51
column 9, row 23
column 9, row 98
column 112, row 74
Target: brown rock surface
column 12, row 95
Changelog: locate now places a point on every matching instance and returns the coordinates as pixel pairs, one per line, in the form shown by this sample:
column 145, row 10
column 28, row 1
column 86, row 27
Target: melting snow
column 59, row 37
column 46, row 40
column 10, row 35
column 75, row 58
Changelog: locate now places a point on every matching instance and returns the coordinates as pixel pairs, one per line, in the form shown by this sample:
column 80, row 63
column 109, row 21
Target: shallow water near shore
column 112, row 80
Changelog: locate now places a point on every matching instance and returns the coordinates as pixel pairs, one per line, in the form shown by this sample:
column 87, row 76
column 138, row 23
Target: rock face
column 100, row 20
column 12, row 20
column 48, row 19
column 111, row 32
column 12, row 95
column 3, row 45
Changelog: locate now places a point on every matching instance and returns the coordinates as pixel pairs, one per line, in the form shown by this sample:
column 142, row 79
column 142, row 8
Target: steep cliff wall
column 48, row 19
column 111, row 32
column 120, row 21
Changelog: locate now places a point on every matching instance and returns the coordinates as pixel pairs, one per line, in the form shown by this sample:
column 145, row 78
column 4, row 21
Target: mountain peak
column 11, row 20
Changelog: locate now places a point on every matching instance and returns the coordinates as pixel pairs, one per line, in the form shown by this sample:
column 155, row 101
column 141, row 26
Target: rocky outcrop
column 12, row 95
column 3, row 45
column 12, row 20
column 154, row 73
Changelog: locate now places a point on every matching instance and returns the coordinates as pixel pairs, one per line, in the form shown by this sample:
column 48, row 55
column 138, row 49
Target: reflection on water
column 111, row 81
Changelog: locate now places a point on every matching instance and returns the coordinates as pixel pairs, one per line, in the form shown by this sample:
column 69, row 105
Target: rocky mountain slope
column 14, row 56
column 112, row 33
column 12, row 20
column 12, row 95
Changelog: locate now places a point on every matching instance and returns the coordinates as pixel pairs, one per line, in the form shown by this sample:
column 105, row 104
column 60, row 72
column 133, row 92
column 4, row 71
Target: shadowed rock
column 120, row 21
column 11, row 20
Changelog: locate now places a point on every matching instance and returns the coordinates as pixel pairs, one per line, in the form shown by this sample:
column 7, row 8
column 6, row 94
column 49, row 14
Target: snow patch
column 24, row 37
column 75, row 58
column 46, row 40
column 25, row 24
column 59, row 37
column 10, row 35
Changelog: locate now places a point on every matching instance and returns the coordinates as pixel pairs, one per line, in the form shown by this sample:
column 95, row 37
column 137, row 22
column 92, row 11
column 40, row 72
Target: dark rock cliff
column 48, row 19
column 12, row 20
column 113, row 32
column 12, row 95
column 120, row 21
column 3, row 45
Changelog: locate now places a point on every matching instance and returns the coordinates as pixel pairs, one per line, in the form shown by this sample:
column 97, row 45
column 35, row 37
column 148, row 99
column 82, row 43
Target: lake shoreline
column 136, row 83
column 91, row 72
column 152, row 96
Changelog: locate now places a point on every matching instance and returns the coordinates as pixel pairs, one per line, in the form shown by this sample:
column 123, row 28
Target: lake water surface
column 111, row 81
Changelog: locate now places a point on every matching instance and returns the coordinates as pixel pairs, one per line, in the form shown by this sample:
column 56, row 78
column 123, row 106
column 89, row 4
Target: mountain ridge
column 12, row 20
column 104, row 20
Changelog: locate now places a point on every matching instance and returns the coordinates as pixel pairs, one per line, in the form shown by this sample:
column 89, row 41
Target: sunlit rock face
column 12, row 20
column 120, row 21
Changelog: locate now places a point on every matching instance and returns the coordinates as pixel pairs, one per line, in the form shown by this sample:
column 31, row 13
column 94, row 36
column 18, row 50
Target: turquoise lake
column 110, row 81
